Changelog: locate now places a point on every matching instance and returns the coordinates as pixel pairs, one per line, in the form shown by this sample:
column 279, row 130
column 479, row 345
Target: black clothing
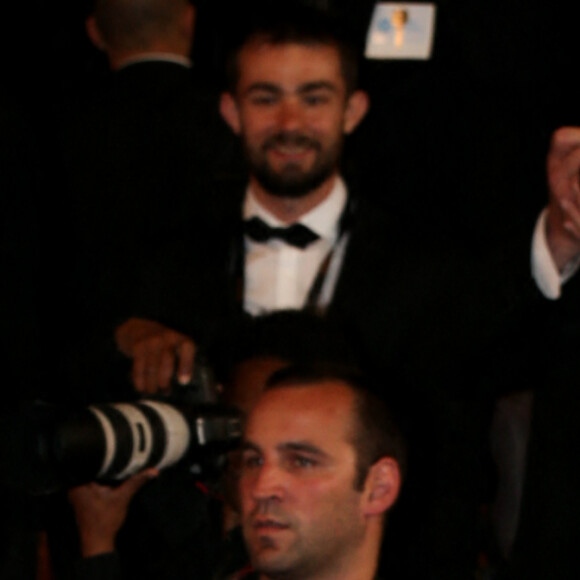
column 421, row 318
column 255, row 576
column 173, row 530
column 136, row 155
column 99, row 567
column 547, row 535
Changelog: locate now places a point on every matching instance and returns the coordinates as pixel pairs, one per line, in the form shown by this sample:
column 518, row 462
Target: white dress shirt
column 544, row 270
column 279, row 276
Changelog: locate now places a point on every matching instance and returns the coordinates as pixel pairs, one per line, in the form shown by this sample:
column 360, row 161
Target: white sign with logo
column 401, row 31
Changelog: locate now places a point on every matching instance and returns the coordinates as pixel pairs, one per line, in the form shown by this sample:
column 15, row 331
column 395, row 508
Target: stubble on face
column 312, row 521
column 301, row 550
column 292, row 181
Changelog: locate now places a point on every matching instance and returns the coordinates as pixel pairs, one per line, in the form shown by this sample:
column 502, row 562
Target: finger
column 565, row 139
column 131, row 332
column 166, row 366
column 572, row 229
column 571, row 165
column 571, row 209
column 131, row 486
column 139, row 371
column 571, row 218
column 185, row 362
column 152, row 366
column 145, row 366
column 563, row 171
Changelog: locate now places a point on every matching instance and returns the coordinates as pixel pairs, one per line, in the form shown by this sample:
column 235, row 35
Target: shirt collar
column 157, row 57
column 323, row 219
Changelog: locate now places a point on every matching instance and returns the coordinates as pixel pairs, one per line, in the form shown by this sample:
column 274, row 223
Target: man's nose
column 268, row 483
column 290, row 116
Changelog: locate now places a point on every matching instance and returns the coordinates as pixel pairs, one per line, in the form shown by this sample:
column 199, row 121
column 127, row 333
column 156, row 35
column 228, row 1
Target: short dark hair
column 135, row 24
column 375, row 432
column 287, row 22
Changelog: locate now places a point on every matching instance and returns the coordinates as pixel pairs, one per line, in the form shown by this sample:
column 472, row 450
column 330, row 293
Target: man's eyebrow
column 263, row 86
column 292, row 446
column 305, row 88
column 302, row 446
column 317, row 86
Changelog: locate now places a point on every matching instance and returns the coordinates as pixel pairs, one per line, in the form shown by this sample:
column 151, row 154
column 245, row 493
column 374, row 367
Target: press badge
column 401, row 31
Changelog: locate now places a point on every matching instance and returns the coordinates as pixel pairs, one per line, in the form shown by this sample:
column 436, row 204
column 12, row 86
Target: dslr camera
column 50, row 447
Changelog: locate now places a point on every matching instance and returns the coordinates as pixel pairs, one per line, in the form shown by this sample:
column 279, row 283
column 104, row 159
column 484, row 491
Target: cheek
column 328, row 121
column 327, row 131
column 256, row 125
column 316, row 494
column 326, row 499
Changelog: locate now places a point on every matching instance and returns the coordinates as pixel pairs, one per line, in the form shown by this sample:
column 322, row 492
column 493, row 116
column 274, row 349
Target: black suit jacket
column 135, row 156
column 548, row 533
column 405, row 301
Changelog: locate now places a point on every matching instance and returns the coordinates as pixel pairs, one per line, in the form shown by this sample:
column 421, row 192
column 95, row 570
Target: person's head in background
column 127, row 30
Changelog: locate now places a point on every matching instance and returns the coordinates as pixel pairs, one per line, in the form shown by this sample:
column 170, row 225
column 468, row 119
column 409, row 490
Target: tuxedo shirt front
column 279, row 276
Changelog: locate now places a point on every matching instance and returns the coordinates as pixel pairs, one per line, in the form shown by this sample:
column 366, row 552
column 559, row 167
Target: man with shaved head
column 322, row 464
column 129, row 30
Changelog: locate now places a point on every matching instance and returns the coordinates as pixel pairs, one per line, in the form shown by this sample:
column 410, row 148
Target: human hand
column 563, row 219
column 155, row 350
column 101, row 510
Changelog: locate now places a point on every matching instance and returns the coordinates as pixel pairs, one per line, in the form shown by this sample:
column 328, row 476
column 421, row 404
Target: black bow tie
column 296, row 235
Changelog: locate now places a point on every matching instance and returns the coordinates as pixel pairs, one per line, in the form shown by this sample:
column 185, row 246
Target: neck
column 288, row 209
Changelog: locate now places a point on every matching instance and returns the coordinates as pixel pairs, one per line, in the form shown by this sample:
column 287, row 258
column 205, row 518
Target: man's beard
column 292, row 181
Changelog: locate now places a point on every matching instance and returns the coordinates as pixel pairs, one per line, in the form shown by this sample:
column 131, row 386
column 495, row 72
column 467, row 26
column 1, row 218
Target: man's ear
column 94, row 33
column 357, row 106
column 230, row 113
column 382, row 486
